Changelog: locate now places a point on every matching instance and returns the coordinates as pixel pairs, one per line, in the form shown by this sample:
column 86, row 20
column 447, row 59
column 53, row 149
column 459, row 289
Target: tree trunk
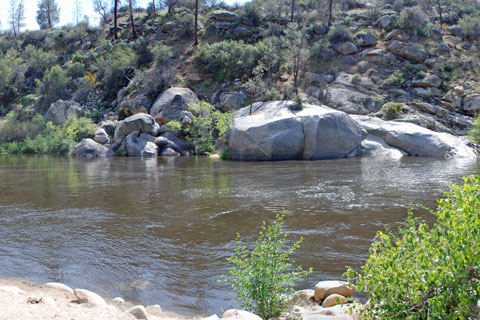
column 49, row 19
column 293, row 10
column 115, row 11
column 134, row 33
column 330, row 5
column 153, row 5
column 196, row 22
column 440, row 11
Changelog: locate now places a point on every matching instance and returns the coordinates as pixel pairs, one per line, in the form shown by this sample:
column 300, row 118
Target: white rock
column 333, row 300
column 118, row 300
column 234, row 314
column 85, row 296
column 58, row 286
column 325, row 288
column 12, row 290
column 212, row 317
column 302, row 298
column 138, row 312
column 48, row 300
column 155, row 309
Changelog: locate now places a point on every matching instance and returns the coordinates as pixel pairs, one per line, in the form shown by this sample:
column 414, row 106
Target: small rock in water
column 138, row 312
column 214, row 156
column 333, row 300
column 85, row 296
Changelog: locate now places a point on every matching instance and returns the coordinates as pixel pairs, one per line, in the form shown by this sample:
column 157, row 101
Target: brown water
column 159, row 230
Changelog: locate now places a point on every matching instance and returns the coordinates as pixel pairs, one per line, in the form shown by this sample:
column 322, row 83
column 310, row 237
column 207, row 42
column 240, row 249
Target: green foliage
column 77, row 129
column 260, row 277
column 320, row 50
column 427, row 272
column 448, row 68
column 48, row 14
column 116, row 64
column 95, row 115
column 161, row 54
column 75, row 70
column 396, row 79
column 173, row 126
column 470, row 25
column 12, row 129
column 56, row 84
column 297, row 105
column 38, row 61
column 391, row 109
column 228, row 59
column 225, row 154
column 413, row 19
column 11, row 77
column 474, row 133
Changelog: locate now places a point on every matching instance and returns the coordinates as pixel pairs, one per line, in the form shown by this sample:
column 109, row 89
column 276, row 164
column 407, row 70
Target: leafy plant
column 396, row 79
column 427, row 272
column 474, row 133
column 260, row 277
column 391, row 109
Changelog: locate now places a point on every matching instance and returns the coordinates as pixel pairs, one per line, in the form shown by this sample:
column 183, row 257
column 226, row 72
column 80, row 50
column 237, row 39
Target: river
column 159, row 230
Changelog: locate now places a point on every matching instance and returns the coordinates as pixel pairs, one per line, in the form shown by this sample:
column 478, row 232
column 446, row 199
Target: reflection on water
column 159, row 230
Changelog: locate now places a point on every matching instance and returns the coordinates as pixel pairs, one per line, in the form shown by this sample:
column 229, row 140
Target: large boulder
column 224, row 15
column 345, row 48
column 101, row 136
column 325, row 288
column 142, row 122
column 136, row 146
column 273, row 132
column 407, row 50
column 60, row 111
column 430, row 80
column 87, row 148
column 471, row 103
column 416, row 140
column 233, row 100
column 366, row 39
column 173, row 104
column 379, row 56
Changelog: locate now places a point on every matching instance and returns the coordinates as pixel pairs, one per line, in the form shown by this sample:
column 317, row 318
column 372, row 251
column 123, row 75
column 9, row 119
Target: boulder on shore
column 60, row 111
column 272, row 131
column 87, row 148
column 173, row 105
column 141, row 121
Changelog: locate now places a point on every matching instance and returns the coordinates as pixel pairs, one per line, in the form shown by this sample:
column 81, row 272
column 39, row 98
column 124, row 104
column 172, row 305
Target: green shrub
column 162, row 54
column 56, row 84
column 470, row 25
column 11, row 78
column 474, row 133
column 173, row 126
column 260, row 277
column 413, row 19
column 320, row 50
column 448, row 68
column 391, row 109
column 75, row 70
column 427, row 272
column 38, row 61
column 12, row 129
column 229, row 59
column 396, row 79
column 77, row 129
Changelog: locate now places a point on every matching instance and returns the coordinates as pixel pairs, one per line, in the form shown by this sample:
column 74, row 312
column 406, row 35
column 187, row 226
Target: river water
column 159, row 230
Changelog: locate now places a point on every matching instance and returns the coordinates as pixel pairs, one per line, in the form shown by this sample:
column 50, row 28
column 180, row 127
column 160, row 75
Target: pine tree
column 48, row 14
column 16, row 16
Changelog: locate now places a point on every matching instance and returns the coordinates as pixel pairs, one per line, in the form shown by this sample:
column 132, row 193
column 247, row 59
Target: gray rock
column 366, row 40
column 320, row 29
column 274, row 132
column 87, row 148
column 437, row 33
column 471, row 103
column 182, row 144
column 443, row 47
column 169, row 27
column 345, row 48
column 377, row 147
column 386, row 22
column 347, row 99
column 242, row 33
column 101, row 136
column 415, row 140
column 430, row 80
column 142, row 122
column 169, row 152
column 455, row 30
column 407, row 51
column 225, row 25
column 233, row 100
column 224, row 15
column 379, row 57
column 60, row 111
column 284, row 78
column 234, row 314
column 139, row 312
column 136, row 146
column 173, row 104
column 85, row 296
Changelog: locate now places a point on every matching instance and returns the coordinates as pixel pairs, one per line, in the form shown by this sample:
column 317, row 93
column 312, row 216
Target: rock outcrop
column 87, row 148
column 60, row 111
column 173, row 105
column 274, row 132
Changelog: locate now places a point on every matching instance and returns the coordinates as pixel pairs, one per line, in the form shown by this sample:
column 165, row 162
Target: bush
column 339, row 34
column 12, row 129
column 320, row 50
column 75, row 70
column 38, row 61
column 396, row 79
column 77, row 129
column 11, row 77
column 427, row 272
column 260, row 277
column 391, row 109
column 413, row 19
column 173, row 126
column 474, row 133
column 470, row 25
column 161, row 54
column 228, row 59
column 56, row 84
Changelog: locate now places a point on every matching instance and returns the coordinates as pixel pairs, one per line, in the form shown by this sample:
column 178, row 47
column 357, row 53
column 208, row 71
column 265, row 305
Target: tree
column 77, row 11
column 101, row 7
column 330, row 8
column 48, row 14
column 297, row 52
column 171, row 5
column 17, row 16
column 131, row 4
column 115, row 18
column 196, row 22
column 293, row 11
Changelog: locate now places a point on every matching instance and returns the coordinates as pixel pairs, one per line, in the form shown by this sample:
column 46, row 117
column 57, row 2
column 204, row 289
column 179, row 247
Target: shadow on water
column 159, row 230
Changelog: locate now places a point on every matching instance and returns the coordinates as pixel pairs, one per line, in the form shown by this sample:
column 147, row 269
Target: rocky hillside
column 407, row 61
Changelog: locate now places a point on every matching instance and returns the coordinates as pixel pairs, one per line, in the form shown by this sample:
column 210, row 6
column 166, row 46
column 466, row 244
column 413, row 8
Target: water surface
column 159, row 230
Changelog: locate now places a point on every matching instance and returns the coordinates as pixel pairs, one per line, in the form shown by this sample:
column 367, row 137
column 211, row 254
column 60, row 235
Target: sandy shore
column 23, row 301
